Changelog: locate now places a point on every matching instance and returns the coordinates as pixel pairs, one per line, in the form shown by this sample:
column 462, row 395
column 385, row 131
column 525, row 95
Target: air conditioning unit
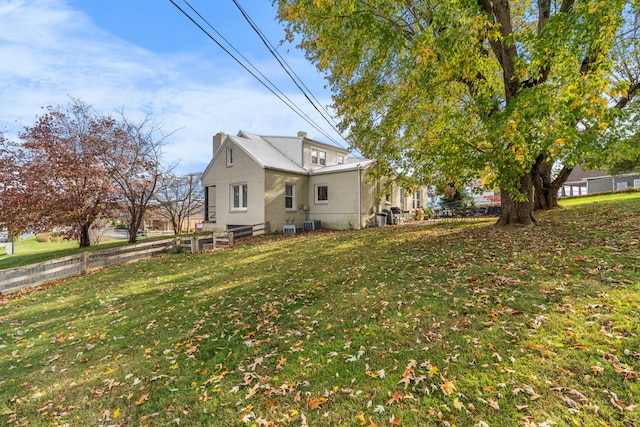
column 289, row 229
column 311, row 225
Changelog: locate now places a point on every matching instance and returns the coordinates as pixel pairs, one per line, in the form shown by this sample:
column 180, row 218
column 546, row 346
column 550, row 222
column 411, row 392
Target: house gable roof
column 281, row 153
column 264, row 153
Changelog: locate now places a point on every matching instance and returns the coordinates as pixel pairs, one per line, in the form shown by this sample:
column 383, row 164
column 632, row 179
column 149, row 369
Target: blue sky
column 146, row 57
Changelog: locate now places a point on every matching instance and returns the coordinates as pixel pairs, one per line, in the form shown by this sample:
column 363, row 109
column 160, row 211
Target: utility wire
column 288, row 102
column 287, row 68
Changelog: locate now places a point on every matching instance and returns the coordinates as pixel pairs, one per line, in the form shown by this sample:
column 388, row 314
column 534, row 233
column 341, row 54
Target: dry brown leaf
column 316, row 403
column 395, row 397
column 142, row 399
column 447, row 387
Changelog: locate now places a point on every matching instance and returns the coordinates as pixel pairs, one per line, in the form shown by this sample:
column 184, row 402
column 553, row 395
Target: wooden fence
column 218, row 239
column 14, row 279
column 223, row 239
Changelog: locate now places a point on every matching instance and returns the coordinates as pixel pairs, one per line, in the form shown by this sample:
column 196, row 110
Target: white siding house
column 253, row 179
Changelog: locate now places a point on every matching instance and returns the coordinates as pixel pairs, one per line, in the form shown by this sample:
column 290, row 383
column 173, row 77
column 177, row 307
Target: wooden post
column 213, row 235
column 194, row 248
column 85, row 262
column 230, row 239
column 267, row 227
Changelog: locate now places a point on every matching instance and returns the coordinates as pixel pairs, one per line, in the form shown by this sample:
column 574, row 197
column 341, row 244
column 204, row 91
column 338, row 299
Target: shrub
column 43, row 237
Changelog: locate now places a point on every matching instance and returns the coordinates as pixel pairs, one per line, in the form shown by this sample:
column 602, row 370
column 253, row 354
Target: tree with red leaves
column 56, row 177
column 74, row 166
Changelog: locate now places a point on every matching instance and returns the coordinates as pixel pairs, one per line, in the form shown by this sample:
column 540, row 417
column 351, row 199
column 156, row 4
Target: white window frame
column 322, row 158
column 417, row 198
column 340, row 159
column 314, row 156
column 242, row 200
column 316, row 190
column 229, row 156
column 292, row 197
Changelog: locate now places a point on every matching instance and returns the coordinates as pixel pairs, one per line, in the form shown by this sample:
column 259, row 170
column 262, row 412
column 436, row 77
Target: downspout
column 359, row 198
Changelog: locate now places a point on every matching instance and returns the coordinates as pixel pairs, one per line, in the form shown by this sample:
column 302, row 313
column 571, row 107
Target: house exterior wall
column 274, row 198
column 340, row 212
column 331, row 159
column 600, row 185
column 631, row 180
column 370, row 193
column 612, row 183
column 243, row 171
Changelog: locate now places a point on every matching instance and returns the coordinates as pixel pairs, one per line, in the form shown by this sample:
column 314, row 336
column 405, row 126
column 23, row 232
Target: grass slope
column 456, row 324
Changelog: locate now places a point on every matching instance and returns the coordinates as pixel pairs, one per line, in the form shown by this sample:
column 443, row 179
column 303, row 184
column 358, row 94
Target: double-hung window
column 239, row 196
column 289, row 196
column 416, row 200
column 318, row 157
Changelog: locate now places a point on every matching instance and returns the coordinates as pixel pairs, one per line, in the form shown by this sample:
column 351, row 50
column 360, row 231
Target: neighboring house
column 155, row 220
column 582, row 182
column 282, row 180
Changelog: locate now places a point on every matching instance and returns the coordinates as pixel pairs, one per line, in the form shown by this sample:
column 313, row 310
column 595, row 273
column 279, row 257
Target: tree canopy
column 56, row 175
column 179, row 197
column 459, row 88
column 74, row 166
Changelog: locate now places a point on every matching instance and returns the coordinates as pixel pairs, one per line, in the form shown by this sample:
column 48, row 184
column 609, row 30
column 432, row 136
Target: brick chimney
column 218, row 139
column 302, row 134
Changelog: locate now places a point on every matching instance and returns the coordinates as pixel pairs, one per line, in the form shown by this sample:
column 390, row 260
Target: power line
column 273, row 88
column 286, row 67
column 290, row 103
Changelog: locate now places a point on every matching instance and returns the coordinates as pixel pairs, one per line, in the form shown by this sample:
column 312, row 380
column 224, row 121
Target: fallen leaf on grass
column 253, row 391
column 395, row 397
column 281, row 363
column 543, row 351
column 316, row 403
column 447, row 386
column 262, row 422
column 493, row 404
column 142, row 399
column 457, row 404
column 570, row 402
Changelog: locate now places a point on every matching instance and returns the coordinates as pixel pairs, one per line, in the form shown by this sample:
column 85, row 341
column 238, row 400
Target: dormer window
column 318, row 157
column 340, row 159
column 229, row 156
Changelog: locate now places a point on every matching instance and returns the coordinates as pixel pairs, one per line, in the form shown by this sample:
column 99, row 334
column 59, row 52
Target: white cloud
column 48, row 52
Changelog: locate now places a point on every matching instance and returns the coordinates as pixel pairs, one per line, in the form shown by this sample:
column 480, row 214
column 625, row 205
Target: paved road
column 124, row 235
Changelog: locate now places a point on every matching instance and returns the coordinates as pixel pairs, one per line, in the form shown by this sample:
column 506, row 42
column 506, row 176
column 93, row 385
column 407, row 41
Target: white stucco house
column 285, row 180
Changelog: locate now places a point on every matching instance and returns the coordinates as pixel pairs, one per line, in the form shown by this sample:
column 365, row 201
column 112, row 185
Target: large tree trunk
column 514, row 212
column 84, row 238
column 546, row 188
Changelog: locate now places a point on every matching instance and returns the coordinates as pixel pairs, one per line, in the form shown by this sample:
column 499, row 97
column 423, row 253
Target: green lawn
column 600, row 198
column 453, row 324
